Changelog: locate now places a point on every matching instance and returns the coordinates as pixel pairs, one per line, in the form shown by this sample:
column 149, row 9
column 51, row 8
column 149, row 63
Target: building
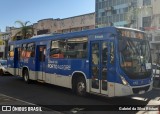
column 149, row 20
column 71, row 24
column 144, row 14
column 77, row 23
column 49, row 26
column 115, row 12
column 129, row 13
column 154, row 31
column 140, row 14
column 2, row 45
column 4, row 36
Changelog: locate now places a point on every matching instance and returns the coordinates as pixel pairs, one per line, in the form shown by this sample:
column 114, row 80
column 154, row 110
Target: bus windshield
column 135, row 58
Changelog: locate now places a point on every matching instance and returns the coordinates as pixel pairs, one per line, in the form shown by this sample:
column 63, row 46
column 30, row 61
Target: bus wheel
column 26, row 76
column 81, row 87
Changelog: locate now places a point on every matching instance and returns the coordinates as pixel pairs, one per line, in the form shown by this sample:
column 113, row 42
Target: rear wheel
column 81, row 87
column 26, row 76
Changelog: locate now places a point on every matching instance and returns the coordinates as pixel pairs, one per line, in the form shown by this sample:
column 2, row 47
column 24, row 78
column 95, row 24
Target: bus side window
column 77, row 47
column 10, row 51
column 104, row 53
column 41, row 54
column 111, row 53
column 95, row 54
column 57, row 49
column 30, row 50
column 19, row 53
column 56, row 53
column 23, row 51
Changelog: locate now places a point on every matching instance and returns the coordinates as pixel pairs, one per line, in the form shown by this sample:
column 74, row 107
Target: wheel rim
column 25, row 77
column 81, row 88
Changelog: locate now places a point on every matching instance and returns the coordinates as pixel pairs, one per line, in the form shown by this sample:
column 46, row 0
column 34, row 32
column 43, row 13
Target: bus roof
column 43, row 35
column 129, row 29
column 71, row 34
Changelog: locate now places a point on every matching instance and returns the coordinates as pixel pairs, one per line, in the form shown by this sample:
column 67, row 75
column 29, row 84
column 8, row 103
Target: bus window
column 57, row 49
column 30, row 50
column 11, row 51
column 95, row 54
column 42, row 51
column 77, row 47
column 111, row 52
column 104, row 53
column 23, row 52
column 73, row 48
column 19, row 53
column 56, row 53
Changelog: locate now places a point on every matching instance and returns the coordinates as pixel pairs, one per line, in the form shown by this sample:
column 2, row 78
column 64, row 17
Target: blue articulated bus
column 110, row 61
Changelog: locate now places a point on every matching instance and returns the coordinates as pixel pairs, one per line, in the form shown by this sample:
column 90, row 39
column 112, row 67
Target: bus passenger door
column 18, row 70
column 17, row 61
column 99, row 67
column 41, row 62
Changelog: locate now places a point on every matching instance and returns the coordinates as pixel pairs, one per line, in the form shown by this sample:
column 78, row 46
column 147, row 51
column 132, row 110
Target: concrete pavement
column 16, row 103
column 9, row 104
column 10, row 101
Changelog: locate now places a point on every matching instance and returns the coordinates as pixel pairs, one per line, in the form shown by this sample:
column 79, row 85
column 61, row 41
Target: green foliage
column 25, row 31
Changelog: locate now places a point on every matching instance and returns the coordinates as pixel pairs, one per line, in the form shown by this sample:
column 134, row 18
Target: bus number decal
column 99, row 36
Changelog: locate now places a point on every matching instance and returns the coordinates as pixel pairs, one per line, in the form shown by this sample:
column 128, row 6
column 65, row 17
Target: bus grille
column 137, row 90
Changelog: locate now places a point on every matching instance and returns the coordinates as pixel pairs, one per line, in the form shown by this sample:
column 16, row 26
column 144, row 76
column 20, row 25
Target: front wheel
column 81, row 87
column 26, row 76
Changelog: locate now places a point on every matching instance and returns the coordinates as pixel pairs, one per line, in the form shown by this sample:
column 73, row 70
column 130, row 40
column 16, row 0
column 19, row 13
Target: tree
column 24, row 32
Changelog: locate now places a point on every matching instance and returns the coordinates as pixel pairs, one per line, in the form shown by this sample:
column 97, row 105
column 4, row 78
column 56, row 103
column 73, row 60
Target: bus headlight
column 124, row 82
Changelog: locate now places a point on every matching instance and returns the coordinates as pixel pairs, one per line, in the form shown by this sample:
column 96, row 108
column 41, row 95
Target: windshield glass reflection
column 135, row 57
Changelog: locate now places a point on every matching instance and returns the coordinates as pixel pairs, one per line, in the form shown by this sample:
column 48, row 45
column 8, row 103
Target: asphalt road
column 47, row 95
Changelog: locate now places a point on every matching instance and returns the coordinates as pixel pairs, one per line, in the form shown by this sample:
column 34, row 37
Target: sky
column 35, row 10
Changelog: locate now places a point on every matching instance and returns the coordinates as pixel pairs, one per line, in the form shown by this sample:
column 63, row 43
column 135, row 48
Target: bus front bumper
column 122, row 90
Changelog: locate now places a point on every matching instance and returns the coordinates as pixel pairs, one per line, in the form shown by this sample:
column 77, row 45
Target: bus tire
column 81, row 86
column 26, row 76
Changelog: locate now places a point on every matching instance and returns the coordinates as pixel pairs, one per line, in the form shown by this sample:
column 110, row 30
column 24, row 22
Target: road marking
column 140, row 98
column 26, row 102
column 18, row 99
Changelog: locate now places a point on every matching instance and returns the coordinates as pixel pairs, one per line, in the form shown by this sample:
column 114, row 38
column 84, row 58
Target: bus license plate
column 141, row 92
